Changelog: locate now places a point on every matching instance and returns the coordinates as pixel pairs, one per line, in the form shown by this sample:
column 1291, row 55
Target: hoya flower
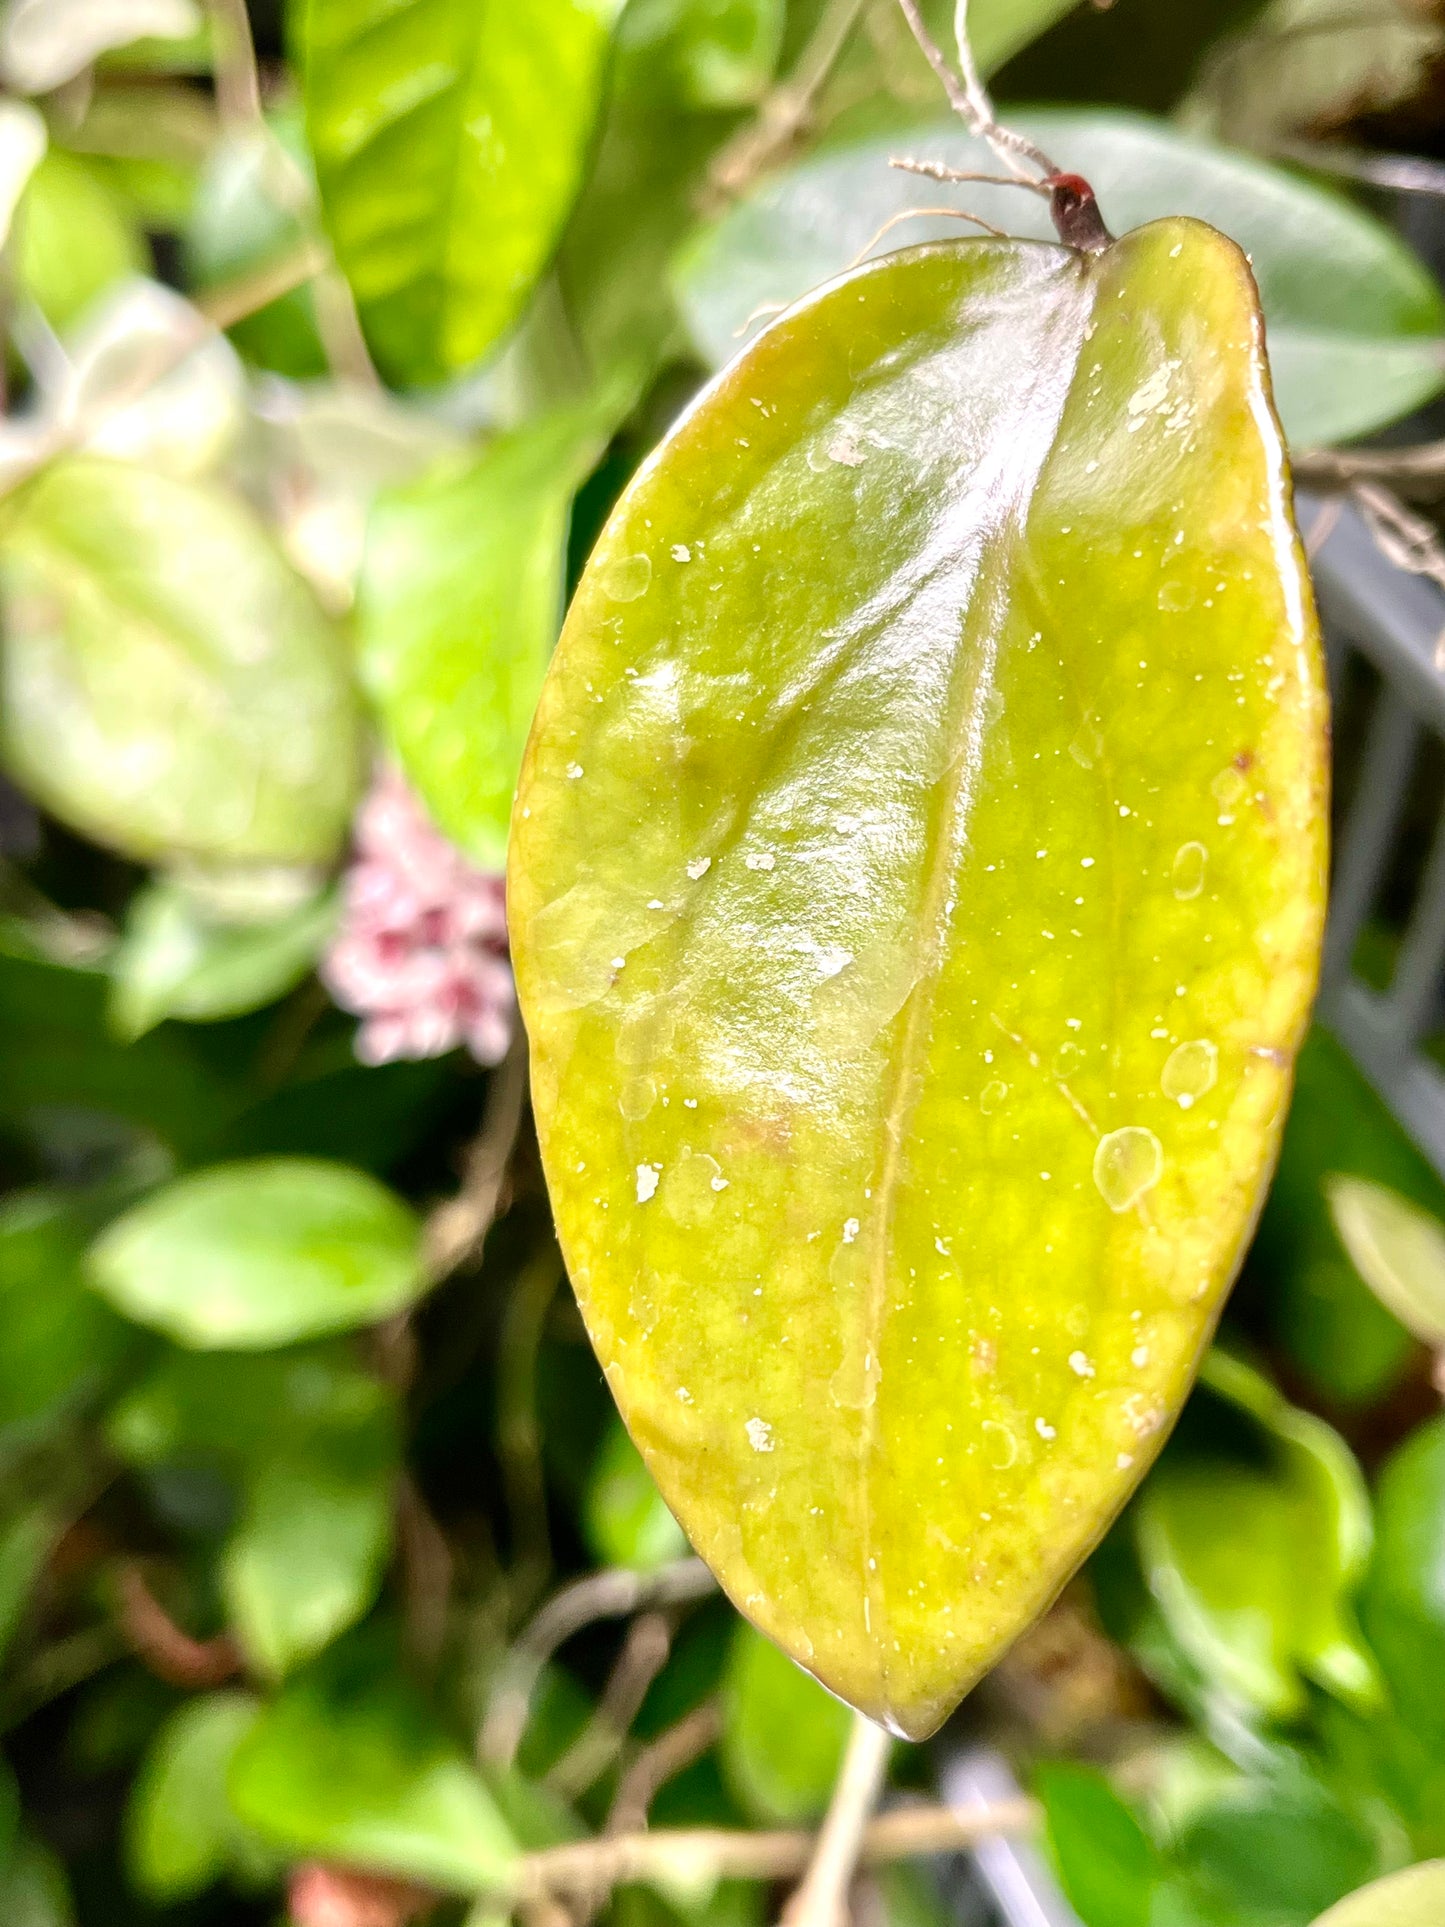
column 336, row 1897
column 420, row 954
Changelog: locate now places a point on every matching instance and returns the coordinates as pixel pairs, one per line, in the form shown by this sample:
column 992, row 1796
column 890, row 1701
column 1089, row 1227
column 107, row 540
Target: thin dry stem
column 238, row 84
column 660, row 1761
column 613, row 1593
column 1416, row 470
column 695, row 1855
column 456, row 1230
column 969, row 98
column 787, row 109
column 938, row 171
column 1404, row 538
column 644, row 1654
column 822, row 1897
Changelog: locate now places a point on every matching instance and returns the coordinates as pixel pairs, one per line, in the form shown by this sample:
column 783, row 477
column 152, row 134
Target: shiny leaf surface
column 458, row 608
column 449, row 142
column 915, row 894
column 146, row 709
column 261, row 1253
column 1356, row 324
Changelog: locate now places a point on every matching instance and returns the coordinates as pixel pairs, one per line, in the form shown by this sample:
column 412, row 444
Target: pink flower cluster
column 336, row 1897
column 421, row 952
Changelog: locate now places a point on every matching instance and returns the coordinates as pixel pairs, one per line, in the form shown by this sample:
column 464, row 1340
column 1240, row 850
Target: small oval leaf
column 1414, row 1897
column 934, row 752
column 250, row 1255
column 1398, row 1249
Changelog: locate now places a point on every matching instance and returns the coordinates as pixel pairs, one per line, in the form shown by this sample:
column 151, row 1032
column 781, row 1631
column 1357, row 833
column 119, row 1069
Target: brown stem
column 238, row 85
column 170, row 1653
column 822, row 1897
column 787, row 108
column 969, row 98
column 611, row 1594
column 426, row 1564
column 690, row 1856
column 1417, row 470
column 644, row 1654
column 456, row 1229
column 662, row 1760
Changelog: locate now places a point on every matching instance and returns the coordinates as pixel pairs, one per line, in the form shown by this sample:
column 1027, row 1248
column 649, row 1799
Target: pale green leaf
column 458, row 607
column 1414, row 1897
column 181, row 1834
column 1398, row 1249
column 250, row 1255
column 175, row 961
column 1356, row 325
column 349, row 1764
column 624, row 1515
column 74, row 237
column 783, row 1735
column 450, row 142
column 169, row 685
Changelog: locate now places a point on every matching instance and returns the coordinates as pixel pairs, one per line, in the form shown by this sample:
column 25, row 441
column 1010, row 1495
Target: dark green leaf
column 450, row 143
column 348, row 1764
column 457, row 611
column 181, row 1832
column 262, row 1253
column 61, row 1343
column 1106, row 1861
column 1277, row 1855
column 783, row 1736
column 175, row 961
column 626, row 1519
column 714, row 53
column 147, row 708
column 1356, row 325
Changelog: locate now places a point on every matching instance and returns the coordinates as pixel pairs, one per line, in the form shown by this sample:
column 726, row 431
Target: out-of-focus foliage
column 323, row 370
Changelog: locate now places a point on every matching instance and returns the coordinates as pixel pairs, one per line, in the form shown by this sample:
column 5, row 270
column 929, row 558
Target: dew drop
column 1228, row 788
column 1190, row 1071
column 1127, row 1163
column 1176, row 596
column 636, row 1098
column 629, row 577
column 992, row 1096
column 1189, row 862
column 1069, row 1060
column 1003, row 1447
column 690, row 1192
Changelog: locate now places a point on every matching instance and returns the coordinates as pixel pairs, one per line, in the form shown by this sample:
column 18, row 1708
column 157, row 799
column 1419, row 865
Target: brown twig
column 168, row 1651
column 1404, row 538
column 1416, row 470
column 969, row 98
column 691, row 1856
column 426, row 1567
column 671, row 1753
column 519, row 1429
column 456, row 1229
column 821, row 1899
column 643, row 1656
column 786, row 110
column 613, row 1593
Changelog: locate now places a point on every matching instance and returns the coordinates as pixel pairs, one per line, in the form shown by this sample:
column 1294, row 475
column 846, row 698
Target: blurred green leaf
column 148, row 141
column 44, row 43
column 169, row 685
column 180, row 1831
column 1403, row 1606
column 261, row 1253
column 1274, row 1855
column 26, row 1539
column 1414, row 1897
column 174, row 961
column 450, row 143
column 1107, row 1863
column 61, row 1342
column 716, row 53
column 305, row 1560
column 348, row 1763
column 1398, row 1249
column 245, row 217
column 33, row 1889
column 783, row 1734
column 1324, row 1317
column 1252, row 1564
column 1356, row 324
column 458, row 607
column 75, row 237
column 999, row 28
column 623, row 1514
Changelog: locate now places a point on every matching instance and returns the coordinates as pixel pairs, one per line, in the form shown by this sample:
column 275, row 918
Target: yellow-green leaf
column 916, row 887
column 1414, row 1897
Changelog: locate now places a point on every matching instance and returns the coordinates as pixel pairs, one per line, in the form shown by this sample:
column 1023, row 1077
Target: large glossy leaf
column 1414, row 1897
column 458, row 608
column 1356, row 324
column 450, row 143
column 147, row 708
column 915, row 894
column 261, row 1253
column 349, row 1763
